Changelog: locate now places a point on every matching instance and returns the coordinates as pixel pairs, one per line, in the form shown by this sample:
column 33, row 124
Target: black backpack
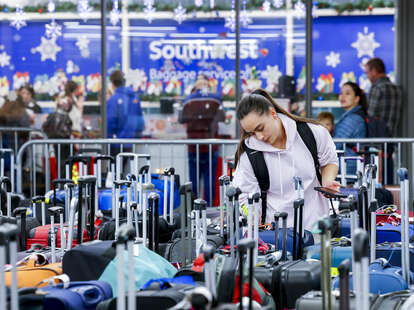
column 260, row 169
column 376, row 128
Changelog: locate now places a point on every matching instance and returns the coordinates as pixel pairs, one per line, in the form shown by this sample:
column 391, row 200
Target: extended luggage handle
column 169, row 173
column 135, row 162
column 326, row 284
column 84, row 182
column 404, row 201
column 42, row 200
column 210, row 268
column 344, row 159
column 253, row 220
column 283, row 216
column 81, row 159
column 98, row 167
column 224, row 181
column 361, row 268
column 343, row 270
column 231, row 195
column 298, row 233
column 8, row 235
column 2, row 164
column 56, row 183
column 125, row 236
column 117, row 202
column 186, row 190
column 154, row 221
column 200, row 207
column 143, row 204
column 53, row 212
column 21, row 211
column 244, row 246
column 373, row 206
column 134, row 209
column 6, row 181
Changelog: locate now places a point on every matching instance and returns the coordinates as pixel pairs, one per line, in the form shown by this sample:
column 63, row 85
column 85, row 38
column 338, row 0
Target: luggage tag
column 56, row 280
column 135, row 249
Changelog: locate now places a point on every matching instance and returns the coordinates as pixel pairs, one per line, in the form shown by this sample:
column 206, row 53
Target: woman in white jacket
column 269, row 128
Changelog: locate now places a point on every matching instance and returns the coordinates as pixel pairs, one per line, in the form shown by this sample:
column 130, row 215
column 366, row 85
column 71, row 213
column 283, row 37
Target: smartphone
column 330, row 193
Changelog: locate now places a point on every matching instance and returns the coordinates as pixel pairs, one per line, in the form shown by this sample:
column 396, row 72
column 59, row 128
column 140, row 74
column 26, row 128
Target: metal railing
column 164, row 153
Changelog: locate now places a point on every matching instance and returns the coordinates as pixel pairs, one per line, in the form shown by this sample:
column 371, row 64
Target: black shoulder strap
column 309, row 139
column 262, row 175
column 260, row 168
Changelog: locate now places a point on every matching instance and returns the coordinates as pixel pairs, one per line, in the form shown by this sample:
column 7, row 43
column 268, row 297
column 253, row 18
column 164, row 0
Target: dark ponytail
column 260, row 102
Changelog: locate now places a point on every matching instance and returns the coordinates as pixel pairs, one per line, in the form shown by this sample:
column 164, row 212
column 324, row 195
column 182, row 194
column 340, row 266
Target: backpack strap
column 259, row 166
column 262, row 175
column 309, row 139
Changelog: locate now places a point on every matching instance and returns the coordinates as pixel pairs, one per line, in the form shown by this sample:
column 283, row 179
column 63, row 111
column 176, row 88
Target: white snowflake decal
column 333, row 59
column 84, row 9
column 278, row 3
column 114, row 16
column 179, row 13
column 48, row 49
column 300, row 9
column 366, row 43
column 4, row 60
column 149, row 12
column 230, row 22
column 19, row 18
column 136, row 78
column 51, row 6
column 212, row 4
column 53, row 30
column 363, row 62
column 272, row 75
column 245, row 19
column 82, row 43
column 198, row 3
column 85, row 53
column 266, row 6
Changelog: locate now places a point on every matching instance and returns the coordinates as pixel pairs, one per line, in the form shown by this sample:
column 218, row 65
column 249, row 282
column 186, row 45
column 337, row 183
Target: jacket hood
column 290, row 129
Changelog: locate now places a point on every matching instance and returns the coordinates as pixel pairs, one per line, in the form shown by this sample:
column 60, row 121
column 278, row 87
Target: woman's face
column 266, row 127
column 26, row 95
column 347, row 98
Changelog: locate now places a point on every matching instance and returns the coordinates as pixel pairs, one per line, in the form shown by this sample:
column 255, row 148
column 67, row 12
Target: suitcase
column 383, row 277
column 360, row 298
column 288, row 280
column 75, row 295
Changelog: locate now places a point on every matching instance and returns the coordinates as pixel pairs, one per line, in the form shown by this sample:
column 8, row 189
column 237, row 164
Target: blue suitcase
column 268, row 236
column 77, row 296
column 383, row 278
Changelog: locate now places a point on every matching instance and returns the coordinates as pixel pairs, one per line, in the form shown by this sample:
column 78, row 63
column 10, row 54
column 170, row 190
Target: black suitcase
column 287, row 281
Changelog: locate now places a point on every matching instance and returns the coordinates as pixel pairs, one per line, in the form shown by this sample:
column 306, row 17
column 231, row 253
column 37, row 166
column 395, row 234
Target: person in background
column 327, row 120
column 201, row 112
column 27, row 95
column 352, row 123
column 74, row 101
column 125, row 117
column 384, row 98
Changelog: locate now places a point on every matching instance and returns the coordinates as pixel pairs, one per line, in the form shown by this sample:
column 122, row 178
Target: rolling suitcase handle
column 297, row 246
column 200, row 207
column 284, row 216
column 223, row 182
column 244, row 246
column 2, row 165
column 42, row 200
column 125, row 237
column 153, row 200
column 84, row 182
column 169, row 173
column 56, row 211
column 115, row 209
column 21, row 211
column 134, row 210
column 404, row 201
column 7, row 182
column 82, row 160
column 68, row 198
column 185, row 191
column 134, row 167
column 237, row 214
column 277, row 217
column 253, row 221
column 231, row 192
column 361, row 270
column 145, row 188
column 56, row 183
column 373, row 229
column 8, row 235
column 343, row 269
column 210, row 268
column 98, row 167
column 326, row 285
